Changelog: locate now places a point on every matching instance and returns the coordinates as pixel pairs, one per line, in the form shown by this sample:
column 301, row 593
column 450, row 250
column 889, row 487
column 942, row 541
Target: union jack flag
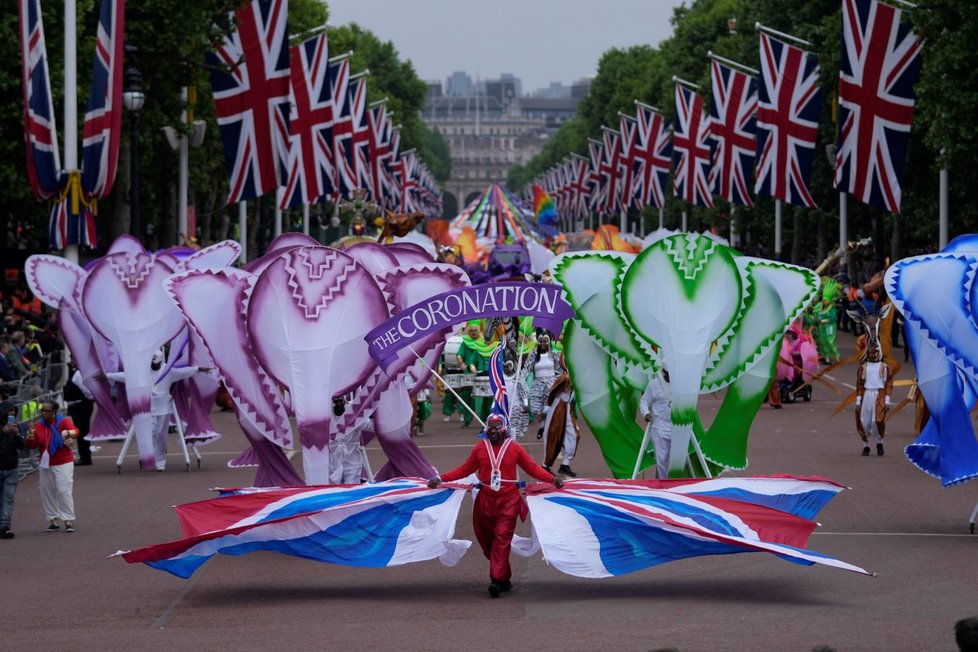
column 598, row 190
column 343, row 127
column 602, row 528
column 497, row 383
column 628, row 128
column 787, row 121
column 43, row 160
column 579, row 186
column 611, row 171
column 403, row 520
column 251, row 98
column 691, row 144
column 311, row 169
column 405, row 170
column 654, row 157
column 358, row 146
column 879, row 65
column 393, row 198
column 102, row 131
column 733, row 131
column 379, row 131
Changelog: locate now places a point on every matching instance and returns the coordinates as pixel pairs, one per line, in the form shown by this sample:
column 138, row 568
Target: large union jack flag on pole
column 596, row 181
column 405, row 170
column 879, row 65
column 358, row 145
column 311, row 169
column 691, row 145
column 379, row 132
column 628, row 128
column 787, row 121
column 733, row 131
column 579, row 187
column 43, row 159
column 102, row 131
column 654, row 156
column 251, row 98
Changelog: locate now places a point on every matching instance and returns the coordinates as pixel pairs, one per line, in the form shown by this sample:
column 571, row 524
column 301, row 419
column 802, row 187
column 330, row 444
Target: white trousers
column 662, row 442
column 57, row 483
column 345, row 462
column 867, row 414
column 161, row 430
column 570, row 440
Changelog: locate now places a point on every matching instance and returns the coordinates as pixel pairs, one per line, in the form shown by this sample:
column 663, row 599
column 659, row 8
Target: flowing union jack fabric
column 405, row 170
column 611, row 171
column 628, row 128
column 251, row 98
column 43, row 160
column 358, row 146
column 602, row 528
column 691, row 144
column 311, row 169
column 371, row 525
column 879, row 65
column 343, row 127
column 734, row 133
column 654, row 149
column 497, row 384
column 597, row 189
column 379, row 131
column 579, row 186
column 102, row 131
column 787, row 121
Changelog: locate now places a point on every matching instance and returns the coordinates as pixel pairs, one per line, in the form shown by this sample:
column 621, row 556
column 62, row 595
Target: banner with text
column 542, row 301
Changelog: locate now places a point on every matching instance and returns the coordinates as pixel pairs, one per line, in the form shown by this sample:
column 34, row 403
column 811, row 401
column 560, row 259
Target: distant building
column 489, row 132
column 459, row 83
column 555, row 91
column 580, row 88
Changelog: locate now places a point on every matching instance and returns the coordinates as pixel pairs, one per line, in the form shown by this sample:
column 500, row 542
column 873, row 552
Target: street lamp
column 133, row 99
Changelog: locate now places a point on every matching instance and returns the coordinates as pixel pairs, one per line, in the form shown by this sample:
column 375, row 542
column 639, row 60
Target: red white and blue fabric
column 251, row 98
column 733, row 132
column 597, row 189
column 311, row 168
column 404, row 172
column 497, row 384
column 102, row 131
column 371, row 525
column 602, row 528
column 611, row 171
column 691, row 145
column 878, row 68
column 379, row 131
column 392, row 201
column 342, row 130
column 628, row 192
column 579, row 185
column 43, row 160
column 789, row 99
column 357, row 147
column 654, row 157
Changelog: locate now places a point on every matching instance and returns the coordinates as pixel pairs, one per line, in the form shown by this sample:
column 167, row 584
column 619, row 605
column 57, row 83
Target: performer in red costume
column 499, row 501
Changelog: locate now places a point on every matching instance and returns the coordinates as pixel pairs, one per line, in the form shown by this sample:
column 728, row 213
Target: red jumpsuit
column 495, row 512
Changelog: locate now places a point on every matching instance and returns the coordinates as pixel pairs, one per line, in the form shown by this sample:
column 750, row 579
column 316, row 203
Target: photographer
column 11, row 443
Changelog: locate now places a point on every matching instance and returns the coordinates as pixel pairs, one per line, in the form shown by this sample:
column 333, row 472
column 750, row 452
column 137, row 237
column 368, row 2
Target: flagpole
column 71, row 107
column 662, row 218
column 777, row 229
column 684, row 229
column 733, row 226
column 843, row 228
column 183, row 175
column 243, row 231
column 942, row 234
column 278, row 222
column 305, row 219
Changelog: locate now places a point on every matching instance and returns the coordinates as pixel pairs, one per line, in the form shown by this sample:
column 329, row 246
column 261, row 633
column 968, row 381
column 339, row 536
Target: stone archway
column 472, row 196
column 450, row 206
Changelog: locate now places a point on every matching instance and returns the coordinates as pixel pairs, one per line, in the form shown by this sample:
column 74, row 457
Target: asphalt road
column 60, row 591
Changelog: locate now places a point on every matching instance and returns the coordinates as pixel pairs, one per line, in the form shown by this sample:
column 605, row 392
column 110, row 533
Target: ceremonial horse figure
column 874, row 379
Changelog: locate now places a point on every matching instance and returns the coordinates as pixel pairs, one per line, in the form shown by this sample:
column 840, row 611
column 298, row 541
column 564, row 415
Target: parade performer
column 656, row 406
column 499, row 501
column 519, row 400
column 874, row 385
column 54, row 434
column 825, row 331
column 161, row 401
column 560, row 426
column 544, row 363
column 473, row 356
column 345, row 449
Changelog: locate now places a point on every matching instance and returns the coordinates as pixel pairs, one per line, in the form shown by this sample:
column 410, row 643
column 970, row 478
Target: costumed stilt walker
column 162, row 407
column 347, row 458
column 499, row 501
column 560, row 427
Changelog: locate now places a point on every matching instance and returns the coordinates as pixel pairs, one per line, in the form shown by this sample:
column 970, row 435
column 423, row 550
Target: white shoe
column 447, row 419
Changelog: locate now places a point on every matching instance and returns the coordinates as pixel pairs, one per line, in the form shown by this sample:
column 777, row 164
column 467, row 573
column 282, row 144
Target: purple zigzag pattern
column 312, row 312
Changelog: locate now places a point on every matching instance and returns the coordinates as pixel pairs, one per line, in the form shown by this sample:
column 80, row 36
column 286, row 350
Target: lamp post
column 133, row 99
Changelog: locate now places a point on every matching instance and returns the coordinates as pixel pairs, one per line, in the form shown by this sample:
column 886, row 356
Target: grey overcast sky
column 539, row 41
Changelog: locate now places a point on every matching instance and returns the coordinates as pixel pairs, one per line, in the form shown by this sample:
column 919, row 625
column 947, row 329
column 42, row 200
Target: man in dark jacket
column 11, row 443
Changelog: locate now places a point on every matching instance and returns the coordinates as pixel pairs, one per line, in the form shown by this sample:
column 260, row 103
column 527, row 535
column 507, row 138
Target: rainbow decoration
column 544, row 209
column 497, row 216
